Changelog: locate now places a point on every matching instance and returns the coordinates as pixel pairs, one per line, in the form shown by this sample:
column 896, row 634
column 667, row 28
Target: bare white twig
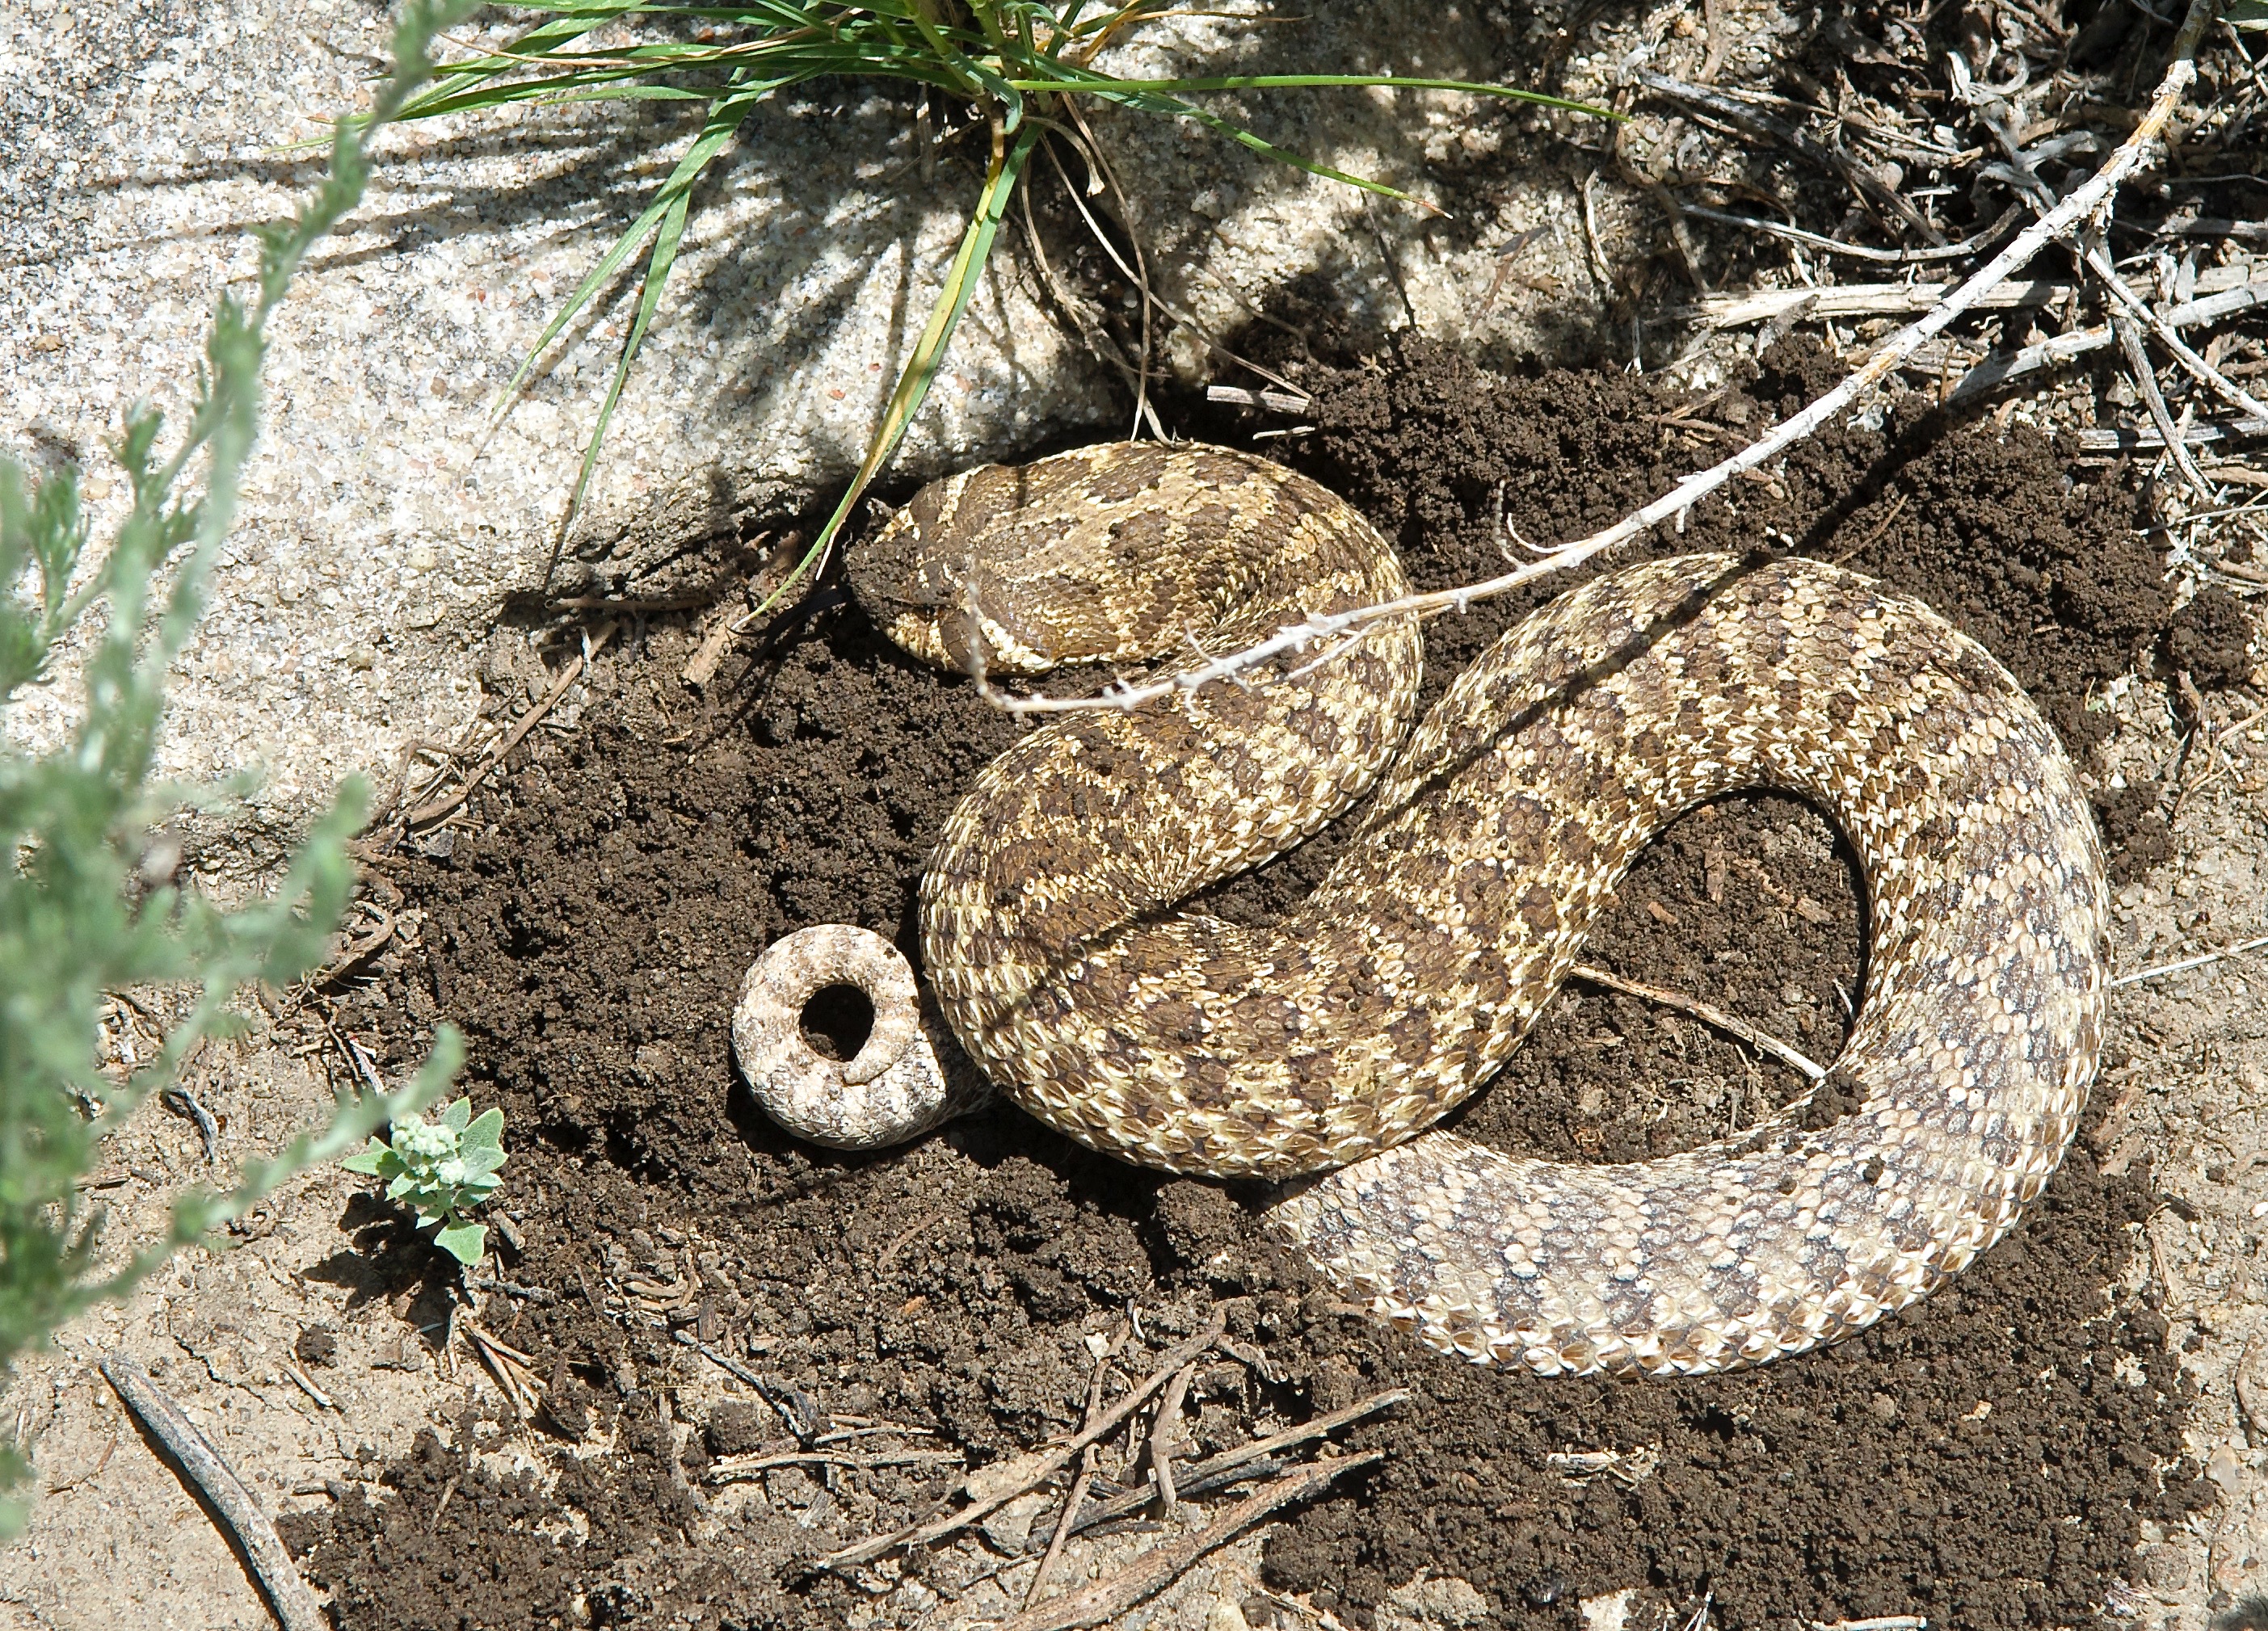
column 1967, row 246
column 2083, row 202
column 1708, row 1013
column 2188, row 963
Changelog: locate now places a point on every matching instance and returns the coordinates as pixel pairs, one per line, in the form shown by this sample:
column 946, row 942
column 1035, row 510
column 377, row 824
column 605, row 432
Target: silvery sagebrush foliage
column 89, row 904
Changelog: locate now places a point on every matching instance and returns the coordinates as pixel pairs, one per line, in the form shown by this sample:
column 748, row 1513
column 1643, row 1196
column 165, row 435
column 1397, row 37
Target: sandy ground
column 382, row 533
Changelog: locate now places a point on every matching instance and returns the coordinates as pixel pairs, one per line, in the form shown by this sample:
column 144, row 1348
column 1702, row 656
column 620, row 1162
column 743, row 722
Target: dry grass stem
column 1967, row 247
column 1707, row 1013
column 2199, row 961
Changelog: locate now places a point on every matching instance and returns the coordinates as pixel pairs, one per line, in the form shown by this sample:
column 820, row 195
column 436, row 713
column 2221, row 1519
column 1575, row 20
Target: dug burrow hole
column 836, row 1021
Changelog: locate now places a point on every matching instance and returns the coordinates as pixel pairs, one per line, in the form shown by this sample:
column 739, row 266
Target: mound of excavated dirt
column 1986, row 1460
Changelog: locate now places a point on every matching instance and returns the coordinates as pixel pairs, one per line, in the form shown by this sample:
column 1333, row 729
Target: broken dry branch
column 1157, row 1568
column 2126, row 439
column 2145, row 380
column 732, row 1468
column 2163, row 330
column 2090, row 196
column 1079, row 1485
column 1275, row 401
column 230, row 1499
column 1763, row 305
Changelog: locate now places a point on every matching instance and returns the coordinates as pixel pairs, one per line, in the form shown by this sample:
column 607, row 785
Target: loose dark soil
column 1985, row 1460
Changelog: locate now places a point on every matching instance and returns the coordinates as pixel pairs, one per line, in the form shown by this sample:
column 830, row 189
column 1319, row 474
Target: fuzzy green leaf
column 468, row 1242
column 371, row 1160
column 485, row 1133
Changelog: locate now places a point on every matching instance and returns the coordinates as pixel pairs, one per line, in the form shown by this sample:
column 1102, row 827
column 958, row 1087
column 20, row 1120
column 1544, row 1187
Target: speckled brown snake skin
column 1317, row 1052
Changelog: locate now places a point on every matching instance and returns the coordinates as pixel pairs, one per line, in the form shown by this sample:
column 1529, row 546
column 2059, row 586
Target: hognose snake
column 1316, row 1053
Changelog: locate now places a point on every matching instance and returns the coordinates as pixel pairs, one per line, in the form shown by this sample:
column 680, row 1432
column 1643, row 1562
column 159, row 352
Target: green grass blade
column 913, row 380
column 674, row 200
column 681, row 180
column 657, row 265
column 538, row 41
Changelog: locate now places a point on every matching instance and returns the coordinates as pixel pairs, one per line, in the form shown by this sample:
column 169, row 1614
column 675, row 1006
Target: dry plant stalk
column 230, row 1499
column 2087, row 202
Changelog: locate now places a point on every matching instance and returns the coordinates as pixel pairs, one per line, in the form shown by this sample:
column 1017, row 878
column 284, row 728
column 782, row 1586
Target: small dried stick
column 1161, row 1437
column 1159, row 1568
column 1077, row 1494
column 2188, row 963
column 227, row 1495
column 2145, row 380
column 991, row 1487
column 1707, row 1013
column 434, row 809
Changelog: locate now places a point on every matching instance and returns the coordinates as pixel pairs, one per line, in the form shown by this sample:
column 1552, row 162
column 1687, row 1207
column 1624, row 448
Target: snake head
column 906, row 584
column 931, row 581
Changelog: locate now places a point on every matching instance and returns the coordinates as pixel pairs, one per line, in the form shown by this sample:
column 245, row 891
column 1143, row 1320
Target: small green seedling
column 441, row 1168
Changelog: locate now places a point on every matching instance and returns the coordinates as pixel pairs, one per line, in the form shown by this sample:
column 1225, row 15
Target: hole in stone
column 836, row 1022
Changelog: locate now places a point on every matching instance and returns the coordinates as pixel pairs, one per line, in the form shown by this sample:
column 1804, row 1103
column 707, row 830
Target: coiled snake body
column 1318, row 1051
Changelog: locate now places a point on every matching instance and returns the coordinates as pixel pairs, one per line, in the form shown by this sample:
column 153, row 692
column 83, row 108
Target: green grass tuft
column 1017, row 64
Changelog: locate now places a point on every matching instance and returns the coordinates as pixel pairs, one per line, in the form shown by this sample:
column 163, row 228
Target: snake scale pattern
column 1317, row 1052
